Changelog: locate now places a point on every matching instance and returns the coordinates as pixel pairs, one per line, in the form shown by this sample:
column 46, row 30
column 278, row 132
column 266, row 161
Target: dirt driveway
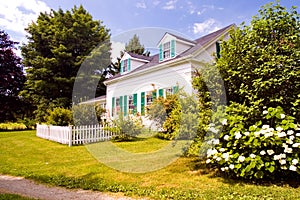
column 28, row 188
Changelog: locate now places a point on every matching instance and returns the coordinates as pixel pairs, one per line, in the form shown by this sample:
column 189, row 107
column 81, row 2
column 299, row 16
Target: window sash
column 166, row 50
column 149, row 98
column 130, row 104
column 125, row 66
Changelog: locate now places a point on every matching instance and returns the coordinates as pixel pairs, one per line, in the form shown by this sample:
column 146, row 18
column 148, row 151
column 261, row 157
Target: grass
column 24, row 154
column 13, row 197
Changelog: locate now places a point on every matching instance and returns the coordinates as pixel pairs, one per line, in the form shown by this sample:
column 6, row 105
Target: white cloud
column 141, row 5
column 116, row 48
column 170, row 5
column 17, row 14
column 192, row 7
column 207, row 26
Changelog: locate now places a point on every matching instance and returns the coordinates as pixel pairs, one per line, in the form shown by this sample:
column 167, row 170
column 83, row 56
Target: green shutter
column 161, row 92
column 153, row 95
column 175, row 89
column 125, row 105
column 121, row 104
column 172, row 48
column 160, row 52
column 218, row 49
column 135, row 103
column 113, row 106
column 128, row 65
column 121, row 66
column 143, row 103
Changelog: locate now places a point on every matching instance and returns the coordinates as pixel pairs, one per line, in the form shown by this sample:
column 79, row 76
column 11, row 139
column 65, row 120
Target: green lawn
column 24, row 154
column 13, row 197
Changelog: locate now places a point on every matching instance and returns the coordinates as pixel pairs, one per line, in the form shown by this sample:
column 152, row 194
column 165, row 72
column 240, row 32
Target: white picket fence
column 74, row 135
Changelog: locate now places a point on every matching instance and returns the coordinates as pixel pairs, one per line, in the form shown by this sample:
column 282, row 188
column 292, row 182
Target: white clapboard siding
column 74, row 135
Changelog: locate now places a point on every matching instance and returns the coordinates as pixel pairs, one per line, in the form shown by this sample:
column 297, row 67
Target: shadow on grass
column 135, row 139
column 280, row 182
column 201, row 167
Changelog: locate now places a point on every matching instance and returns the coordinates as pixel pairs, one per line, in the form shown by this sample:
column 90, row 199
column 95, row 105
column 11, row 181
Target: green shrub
column 211, row 94
column 13, row 126
column 60, row 117
column 87, row 114
column 260, row 62
column 266, row 150
column 259, row 65
column 126, row 128
column 162, row 135
column 165, row 112
column 28, row 122
column 177, row 115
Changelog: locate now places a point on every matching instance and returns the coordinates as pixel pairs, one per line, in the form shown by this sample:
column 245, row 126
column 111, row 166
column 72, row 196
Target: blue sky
column 192, row 18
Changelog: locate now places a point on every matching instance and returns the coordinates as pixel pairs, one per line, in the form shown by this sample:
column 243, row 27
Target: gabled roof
column 199, row 44
column 140, row 57
column 203, row 41
column 177, row 37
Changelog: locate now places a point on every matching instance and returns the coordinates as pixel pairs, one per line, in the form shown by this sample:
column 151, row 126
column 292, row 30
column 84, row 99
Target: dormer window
column 167, row 50
column 125, row 66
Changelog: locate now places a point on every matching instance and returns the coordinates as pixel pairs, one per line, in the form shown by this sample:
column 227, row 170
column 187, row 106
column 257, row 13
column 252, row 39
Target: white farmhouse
column 142, row 79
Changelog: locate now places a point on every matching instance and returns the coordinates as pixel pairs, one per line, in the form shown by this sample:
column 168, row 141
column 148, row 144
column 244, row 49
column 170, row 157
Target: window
column 125, row 65
column 149, row 98
column 117, row 105
column 130, row 104
column 169, row 91
column 172, row 90
column 166, row 51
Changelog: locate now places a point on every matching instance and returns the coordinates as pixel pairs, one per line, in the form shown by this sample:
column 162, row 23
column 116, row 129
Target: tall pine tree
column 134, row 46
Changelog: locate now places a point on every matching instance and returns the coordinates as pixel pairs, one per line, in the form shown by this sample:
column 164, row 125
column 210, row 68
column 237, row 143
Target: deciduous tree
column 260, row 62
column 59, row 44
column 11, row 79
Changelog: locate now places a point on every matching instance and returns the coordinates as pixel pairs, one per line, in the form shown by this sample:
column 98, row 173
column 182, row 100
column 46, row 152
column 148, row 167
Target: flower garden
column 260, row 151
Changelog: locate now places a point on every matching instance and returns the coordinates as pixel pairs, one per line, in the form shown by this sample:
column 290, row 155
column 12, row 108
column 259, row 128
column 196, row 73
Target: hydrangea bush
column 265, row 150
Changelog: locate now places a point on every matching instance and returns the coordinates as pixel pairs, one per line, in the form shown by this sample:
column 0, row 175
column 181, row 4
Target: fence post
column 70, row 135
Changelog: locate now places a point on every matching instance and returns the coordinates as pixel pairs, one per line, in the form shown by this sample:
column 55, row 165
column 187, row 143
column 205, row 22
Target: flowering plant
column 263, row 150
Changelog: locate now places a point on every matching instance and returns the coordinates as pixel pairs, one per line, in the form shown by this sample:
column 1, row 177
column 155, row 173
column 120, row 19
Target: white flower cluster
column 237, row 135
column 213, row 141
column 211, row 128
column 266, row 131
column 285, row 158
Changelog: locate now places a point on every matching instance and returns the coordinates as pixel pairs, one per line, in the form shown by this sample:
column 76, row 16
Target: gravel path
column 28, row 188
